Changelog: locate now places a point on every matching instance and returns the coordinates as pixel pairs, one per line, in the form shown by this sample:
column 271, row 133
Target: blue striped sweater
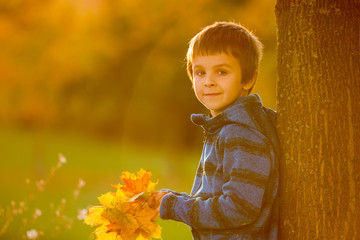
column 234, row 195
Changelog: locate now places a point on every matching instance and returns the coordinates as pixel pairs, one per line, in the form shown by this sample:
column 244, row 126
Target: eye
column 222, row 72
column 199, row 73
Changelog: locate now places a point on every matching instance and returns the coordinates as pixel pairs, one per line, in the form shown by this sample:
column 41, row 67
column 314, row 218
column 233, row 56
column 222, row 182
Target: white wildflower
column 32, row 234
column 37, row 213
column 82, row 213
column 76, row 193
column 62, row 159
column 40, row 185
column 81, row 183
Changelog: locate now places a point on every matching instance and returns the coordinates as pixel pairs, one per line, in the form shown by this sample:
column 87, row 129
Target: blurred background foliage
column 104, row 82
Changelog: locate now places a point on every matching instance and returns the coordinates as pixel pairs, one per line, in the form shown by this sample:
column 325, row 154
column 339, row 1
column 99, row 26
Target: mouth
column 211, row 94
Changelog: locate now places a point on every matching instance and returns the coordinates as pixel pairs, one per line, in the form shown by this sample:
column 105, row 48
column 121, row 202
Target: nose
column 209, row 81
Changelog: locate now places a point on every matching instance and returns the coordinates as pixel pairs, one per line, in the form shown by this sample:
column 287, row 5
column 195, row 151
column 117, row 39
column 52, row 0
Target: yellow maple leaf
column 107, row 199
column 102, row 232
column 120, row 195
column 157, row 232
column 145, row 215
column 94, row 218
column 140, row 237
column 129, row 213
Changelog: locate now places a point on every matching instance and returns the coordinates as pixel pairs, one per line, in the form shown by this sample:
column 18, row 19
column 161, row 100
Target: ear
column 250, row 84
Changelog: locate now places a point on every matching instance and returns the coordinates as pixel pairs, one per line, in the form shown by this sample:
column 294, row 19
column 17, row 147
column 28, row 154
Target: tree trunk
column 318, row 93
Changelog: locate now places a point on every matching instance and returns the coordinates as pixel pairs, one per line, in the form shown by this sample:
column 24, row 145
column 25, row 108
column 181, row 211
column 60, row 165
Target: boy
column 234, row 195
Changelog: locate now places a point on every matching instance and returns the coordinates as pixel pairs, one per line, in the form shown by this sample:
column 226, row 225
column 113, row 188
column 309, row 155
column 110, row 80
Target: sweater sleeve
column 246, row 168
column 184, row 194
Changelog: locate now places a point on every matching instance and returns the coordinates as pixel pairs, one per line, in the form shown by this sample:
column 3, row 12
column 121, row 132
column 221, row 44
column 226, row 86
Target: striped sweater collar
column 237, row 113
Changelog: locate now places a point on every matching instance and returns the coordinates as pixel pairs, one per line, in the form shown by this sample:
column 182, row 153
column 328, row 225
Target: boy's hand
column 155, row 199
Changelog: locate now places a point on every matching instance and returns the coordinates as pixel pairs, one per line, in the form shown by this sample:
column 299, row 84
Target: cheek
column 195, row 86
column 197, row 89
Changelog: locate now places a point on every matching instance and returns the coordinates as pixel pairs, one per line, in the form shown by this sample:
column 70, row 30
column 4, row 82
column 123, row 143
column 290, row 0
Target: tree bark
column 318, row 93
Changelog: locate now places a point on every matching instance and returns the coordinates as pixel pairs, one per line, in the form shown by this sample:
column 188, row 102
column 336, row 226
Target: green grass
column 31, row 154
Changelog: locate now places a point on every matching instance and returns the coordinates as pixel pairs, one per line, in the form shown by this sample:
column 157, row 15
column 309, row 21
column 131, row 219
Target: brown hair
column 229, row 38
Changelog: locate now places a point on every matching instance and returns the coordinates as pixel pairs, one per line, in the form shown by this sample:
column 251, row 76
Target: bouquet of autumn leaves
column 129, row 213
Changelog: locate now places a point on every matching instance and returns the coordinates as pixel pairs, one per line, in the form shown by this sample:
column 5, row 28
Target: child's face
column 217, row 81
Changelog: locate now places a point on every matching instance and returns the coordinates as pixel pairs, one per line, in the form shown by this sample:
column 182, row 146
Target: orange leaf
column 135, row 184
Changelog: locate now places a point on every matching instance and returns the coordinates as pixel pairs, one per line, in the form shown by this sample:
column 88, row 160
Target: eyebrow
column 216, row 66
